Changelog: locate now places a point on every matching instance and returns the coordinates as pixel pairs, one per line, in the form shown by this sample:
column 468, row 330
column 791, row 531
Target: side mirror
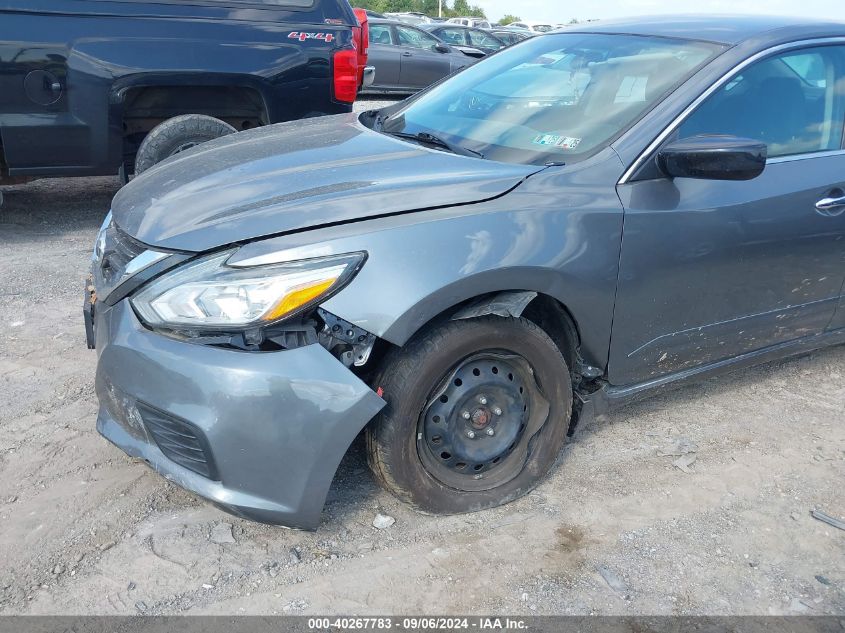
column 713, row 158
column 442, row 48
column 471, row 51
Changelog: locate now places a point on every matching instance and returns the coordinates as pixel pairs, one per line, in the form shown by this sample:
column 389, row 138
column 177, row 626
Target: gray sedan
column 579, row 220
column 408, row 59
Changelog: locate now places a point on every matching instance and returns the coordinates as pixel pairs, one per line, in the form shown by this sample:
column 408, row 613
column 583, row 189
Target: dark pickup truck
column 96, row 87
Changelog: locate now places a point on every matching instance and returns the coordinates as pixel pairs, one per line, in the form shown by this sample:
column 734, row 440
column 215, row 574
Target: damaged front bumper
column 258, row 433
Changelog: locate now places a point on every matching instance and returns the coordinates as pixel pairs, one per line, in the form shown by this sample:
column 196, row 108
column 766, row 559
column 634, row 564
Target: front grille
column 118, row 250
column 179, row 440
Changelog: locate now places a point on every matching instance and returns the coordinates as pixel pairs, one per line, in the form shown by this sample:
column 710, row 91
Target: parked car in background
column 92, row 88
column 409, row 18
column 535, row 27
column 458, row 35
column 511, row 36
column 407, row 59
column 479, row 23
column 464, row 274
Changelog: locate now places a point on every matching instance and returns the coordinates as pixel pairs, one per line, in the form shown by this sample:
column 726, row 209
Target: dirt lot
column 616, row 529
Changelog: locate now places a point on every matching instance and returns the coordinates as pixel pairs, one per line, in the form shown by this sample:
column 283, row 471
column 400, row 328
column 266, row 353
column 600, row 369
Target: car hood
column 297, row 176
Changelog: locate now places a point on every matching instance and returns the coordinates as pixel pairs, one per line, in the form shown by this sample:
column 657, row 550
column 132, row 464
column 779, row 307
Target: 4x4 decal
column 302, row 36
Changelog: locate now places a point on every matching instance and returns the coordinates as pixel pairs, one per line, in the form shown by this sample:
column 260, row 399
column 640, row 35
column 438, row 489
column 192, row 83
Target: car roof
column 396, row 22
column 724, row 29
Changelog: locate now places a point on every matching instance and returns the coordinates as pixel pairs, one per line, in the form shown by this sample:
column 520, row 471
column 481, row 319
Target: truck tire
column 176, row 135
column 477, row 412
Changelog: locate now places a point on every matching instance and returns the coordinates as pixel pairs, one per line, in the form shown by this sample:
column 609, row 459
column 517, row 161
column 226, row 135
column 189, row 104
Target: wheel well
column 556, row 321
column 146, row 107
column 545, row 311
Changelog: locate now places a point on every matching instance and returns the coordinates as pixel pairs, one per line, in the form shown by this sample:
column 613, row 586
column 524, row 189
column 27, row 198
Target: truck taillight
column 361, row 35
column 346, row 75
column 364, row 25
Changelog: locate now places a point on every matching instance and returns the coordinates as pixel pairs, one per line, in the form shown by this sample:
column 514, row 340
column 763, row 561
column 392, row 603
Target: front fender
column 559, row 234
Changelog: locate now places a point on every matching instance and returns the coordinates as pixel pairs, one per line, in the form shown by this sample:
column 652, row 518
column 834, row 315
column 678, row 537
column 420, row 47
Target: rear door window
column 415, row 38
column 480, row 38
column 380, row 34
column 453, row 36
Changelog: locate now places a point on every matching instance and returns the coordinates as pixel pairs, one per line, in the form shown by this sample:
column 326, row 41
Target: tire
column 176, row 135
column 508, row 376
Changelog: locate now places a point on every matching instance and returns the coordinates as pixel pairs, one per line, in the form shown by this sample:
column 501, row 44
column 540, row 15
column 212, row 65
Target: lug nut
column 466, row 415
column 471, row 435
column 497, row 411
column 491, row 432
column 483, row 399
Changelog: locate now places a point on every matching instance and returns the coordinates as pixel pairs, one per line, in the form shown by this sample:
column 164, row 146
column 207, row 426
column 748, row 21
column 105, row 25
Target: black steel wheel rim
column 475, row 430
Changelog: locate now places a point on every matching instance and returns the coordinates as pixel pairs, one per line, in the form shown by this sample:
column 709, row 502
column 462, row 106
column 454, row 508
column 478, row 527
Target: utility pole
column 440, row 12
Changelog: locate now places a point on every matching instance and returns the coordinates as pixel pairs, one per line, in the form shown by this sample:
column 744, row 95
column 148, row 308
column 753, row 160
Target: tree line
column 451, row 9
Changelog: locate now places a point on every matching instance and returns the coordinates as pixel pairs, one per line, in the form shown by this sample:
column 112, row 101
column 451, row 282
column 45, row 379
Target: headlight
column 208, row 294
column 100, row 244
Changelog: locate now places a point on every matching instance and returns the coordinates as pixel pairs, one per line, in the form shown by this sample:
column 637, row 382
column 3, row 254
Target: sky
column 561, row 11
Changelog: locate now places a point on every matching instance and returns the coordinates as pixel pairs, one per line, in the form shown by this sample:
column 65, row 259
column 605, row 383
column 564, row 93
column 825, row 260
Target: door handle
column 407, row 54
column 831, row 206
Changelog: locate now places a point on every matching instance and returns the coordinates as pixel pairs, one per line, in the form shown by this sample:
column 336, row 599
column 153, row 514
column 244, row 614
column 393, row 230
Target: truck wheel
column 176, row 135
column 477, row 412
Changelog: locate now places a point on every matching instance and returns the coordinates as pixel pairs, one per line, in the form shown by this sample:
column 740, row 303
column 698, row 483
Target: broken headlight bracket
column 351, row 344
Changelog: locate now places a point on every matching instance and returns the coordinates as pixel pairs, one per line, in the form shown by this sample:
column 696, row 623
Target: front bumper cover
column 277, row 423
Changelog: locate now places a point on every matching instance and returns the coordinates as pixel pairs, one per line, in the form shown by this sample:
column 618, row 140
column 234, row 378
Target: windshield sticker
column 632, row 90
column 556, row 140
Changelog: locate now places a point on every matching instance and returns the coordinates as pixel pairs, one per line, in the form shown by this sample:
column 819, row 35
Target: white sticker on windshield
column 546, row 139
column 568, row 142
column 557, row 140
column 632, row 90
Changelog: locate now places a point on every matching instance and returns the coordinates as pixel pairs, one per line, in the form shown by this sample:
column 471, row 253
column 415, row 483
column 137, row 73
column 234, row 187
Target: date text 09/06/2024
column 419, row 623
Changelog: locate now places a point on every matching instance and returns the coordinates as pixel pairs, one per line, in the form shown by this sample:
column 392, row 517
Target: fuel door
column 43, row 87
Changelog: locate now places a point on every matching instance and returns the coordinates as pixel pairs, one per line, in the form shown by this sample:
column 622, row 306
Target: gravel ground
column 616, row 529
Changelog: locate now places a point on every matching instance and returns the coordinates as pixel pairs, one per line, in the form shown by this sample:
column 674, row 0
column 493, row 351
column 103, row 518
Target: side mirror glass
column 713, row 158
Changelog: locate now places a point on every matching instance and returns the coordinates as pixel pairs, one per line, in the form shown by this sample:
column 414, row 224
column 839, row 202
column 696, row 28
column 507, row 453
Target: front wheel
column 477, row 412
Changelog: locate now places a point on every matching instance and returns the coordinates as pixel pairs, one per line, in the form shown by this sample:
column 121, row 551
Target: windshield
column 555, row 98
